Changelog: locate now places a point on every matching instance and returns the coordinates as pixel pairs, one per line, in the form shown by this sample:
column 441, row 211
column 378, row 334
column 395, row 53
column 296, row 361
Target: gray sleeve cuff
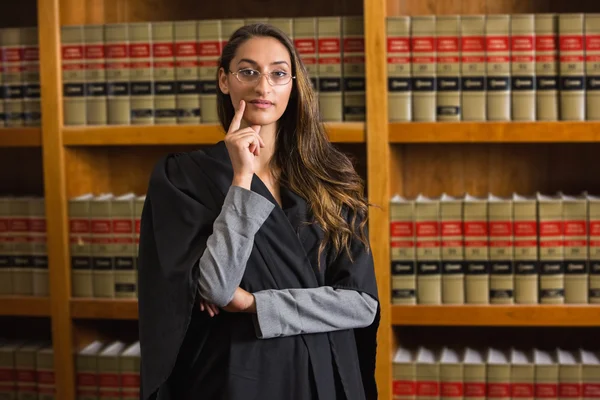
column 248, row 204
column 268, row 322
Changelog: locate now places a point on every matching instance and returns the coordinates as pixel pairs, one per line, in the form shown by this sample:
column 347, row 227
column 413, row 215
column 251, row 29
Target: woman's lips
column 261, row 103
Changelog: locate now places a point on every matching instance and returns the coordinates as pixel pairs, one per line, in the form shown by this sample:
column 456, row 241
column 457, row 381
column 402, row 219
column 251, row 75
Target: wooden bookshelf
column 24, row 306
column 20, row 137
column 494, row 132
column 351, row 132
column 104, row 308
column 535, row 315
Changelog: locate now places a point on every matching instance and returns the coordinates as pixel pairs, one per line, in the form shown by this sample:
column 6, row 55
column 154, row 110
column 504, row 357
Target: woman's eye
column 279, row 74
column 248, row 72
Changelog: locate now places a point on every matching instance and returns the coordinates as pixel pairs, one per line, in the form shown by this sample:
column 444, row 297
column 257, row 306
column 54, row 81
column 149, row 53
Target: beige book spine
column 123, row 247
column 522, row 32
column 477, row 275
column 73, row 74
column 286, row 25
column 31, row 72
column 129, row 369
column 399, row 68
column 546, row 67
column 590, row 375
column 404, row 380
column 594, row 250
column 427, row 228
column 12, row 60
column 473, row 68
column 186, row 72
column 498, row 381
column 330, row 68
column 522, row 378
column 451, row 382
column 500, row 225
column 25, row 368
column 80, row 238
column 305, row 41
column 474, row 381
column 39, row 250
column 95, row 75
column 497, row 34
column 428, row 381
column 592, row 66
column 453, row 266
column 569, row 381
column 575, row 221
column 109, row 378
column 552, row 286
column 6, row 248
column 546, row 381
column 103, row 269
column 138, row 207
column 423, row 68
column 229, row 26
column 209, row 48
column 448, row 68
column 141, row 73
column 116, row 38
column 402, row 237
column 8, row 379
column 163, row 58
column 526, row 251
column 22, row 261
column 86, row 369
column 353, row 69
column 572, row 67
column 46, row 384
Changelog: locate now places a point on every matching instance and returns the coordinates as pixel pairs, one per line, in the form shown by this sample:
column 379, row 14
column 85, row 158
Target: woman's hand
column 210, row 308
column 242, row 302
column 243, row 146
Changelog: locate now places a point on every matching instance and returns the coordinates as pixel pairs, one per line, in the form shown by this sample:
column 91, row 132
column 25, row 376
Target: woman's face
column 265, row 103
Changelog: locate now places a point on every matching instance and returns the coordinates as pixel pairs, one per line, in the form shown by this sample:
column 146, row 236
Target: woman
column 268, row 225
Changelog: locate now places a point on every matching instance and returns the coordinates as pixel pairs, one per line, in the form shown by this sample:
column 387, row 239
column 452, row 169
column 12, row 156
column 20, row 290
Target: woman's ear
column 223, row 85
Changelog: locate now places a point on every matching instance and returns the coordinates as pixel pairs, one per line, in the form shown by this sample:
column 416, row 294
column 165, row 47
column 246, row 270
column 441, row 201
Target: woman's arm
column 290, row 312
column 228, row 248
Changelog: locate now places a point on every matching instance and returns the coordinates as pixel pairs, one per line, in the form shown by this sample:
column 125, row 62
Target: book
column 103, row 267
column 95, row 75
column 353, row 68
column 428, row 252
column 477, row 273
column 38, row 241
column 8, row 378
column 594, row 248
column 138, row 207
column 424, row 68
column 522, row 70
column 404, row 372
column 12, row 62
column 569, row 374
column 141, row 73
column 525, row 249
column 497, row 33
column 116, row 39
column 590, row 374
column 109, row 377
column 129, row 369
column 498, row 374
column 330, row 68
column 32, row 113
column 399, row 68
column 592, row 66
column 402, row 254
column 73, row 74
column 6, row 251
column 546, row 67
column 305, row 42
column 209, row 51
column 474, row 372
column 448, row 68
column 80, row 239
column 522, row 374
column 25, row 369
column 46, row 384
column 551, row 252
column 163, row 58
column 451, row 375
column 22, row 276
column 228, row 28
column 86, row 369
column 428, row 374
column 473, row 67
column 123, row 230
column 572, row 67
column 575, row 222
column 546, row 374
column 187, row 72
column 452, row 238
column 500, row 228
column 286, row 25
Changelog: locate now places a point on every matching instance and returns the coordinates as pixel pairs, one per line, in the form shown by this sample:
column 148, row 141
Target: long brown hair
column 305, row 160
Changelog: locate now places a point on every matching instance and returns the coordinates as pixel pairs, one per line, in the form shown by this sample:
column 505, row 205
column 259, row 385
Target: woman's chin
column 258, row 119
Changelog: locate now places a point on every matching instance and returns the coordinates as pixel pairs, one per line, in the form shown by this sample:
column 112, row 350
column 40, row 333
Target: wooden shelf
column 104, row 308
column 20, row 137
column 494, row 132
column 497, row 315
column 24, row 306
column 124, row 135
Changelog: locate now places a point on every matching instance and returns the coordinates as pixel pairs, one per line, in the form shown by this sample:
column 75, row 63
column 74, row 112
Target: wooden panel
column 20, row 137
column 56, row 202
column 18, row 14
column 496, row 315
column 24, row 306
column 21, row 172
column 501, row 169
column 104, row 308
column 110, row 11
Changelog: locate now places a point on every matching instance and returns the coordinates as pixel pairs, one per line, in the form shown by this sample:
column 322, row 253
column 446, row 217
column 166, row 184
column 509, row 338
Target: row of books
column 426, row 373
column 521, row 67
column 23, row 250
column 27, row 370
column 166, row 72
column 108, row 371
column 104, row 237
column 19, row 77
column 474, row 250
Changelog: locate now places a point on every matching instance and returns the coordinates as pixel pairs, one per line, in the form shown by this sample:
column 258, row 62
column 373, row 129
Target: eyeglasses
column 252, row 76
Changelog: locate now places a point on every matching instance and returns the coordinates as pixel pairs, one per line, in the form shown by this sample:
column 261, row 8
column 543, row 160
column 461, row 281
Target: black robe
column 221, row 356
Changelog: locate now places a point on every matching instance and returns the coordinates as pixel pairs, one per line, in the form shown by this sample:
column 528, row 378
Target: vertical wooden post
column 55, row 195
column 378, row 178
